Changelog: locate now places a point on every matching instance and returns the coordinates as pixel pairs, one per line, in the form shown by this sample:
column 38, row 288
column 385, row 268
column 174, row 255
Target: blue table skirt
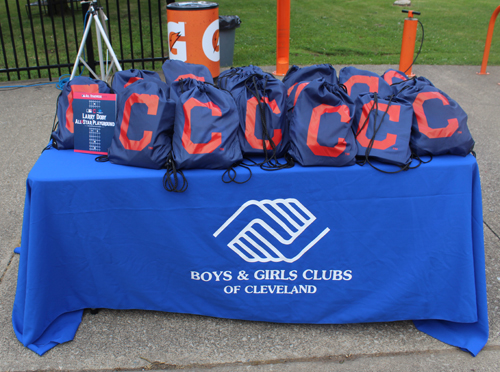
column 301, row 245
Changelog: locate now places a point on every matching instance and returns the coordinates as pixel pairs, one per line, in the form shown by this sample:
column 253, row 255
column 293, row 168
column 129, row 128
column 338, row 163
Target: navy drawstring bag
column 362, row 81
column 206, row 129
column 233, row 77
column 321, row 126
column 175, row 70
column 382, row 127
column 145, row 120
column 392, row 76
column 122, row 79
column 181, row 86
column 439, row 123
column 63, row 132
column 261, row 101
column 296, row 74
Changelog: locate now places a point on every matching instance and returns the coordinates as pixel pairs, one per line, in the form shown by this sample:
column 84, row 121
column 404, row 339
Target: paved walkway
column 139, row 340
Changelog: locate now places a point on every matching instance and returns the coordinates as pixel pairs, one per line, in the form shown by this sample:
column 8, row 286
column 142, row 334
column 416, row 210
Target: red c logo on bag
column 190, row 76
column 312, row 134
column 290, row 89
column 423, row 125
column 91, row 88
column 132, row 80
column 371, row 81
column 389, row 75
column 199, row 148
column 297, row 92
column 151, row 101
column 250, row 124
column 390, row 140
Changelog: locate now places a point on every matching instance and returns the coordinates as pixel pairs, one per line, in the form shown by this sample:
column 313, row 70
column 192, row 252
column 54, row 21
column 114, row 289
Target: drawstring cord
column 231, row 173
column 170, row 184
column 375, row 131
column 271, row 162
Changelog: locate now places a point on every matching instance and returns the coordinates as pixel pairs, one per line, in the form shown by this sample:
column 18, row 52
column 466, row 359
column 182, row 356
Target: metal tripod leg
column 104, row 18
column 108, row 44
column 80, row 51
column 101, row 35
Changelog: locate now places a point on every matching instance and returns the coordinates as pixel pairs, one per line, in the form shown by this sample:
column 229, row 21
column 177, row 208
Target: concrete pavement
column 136, row 340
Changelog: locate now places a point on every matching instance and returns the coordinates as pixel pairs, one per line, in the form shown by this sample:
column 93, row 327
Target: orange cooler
column 193, row 33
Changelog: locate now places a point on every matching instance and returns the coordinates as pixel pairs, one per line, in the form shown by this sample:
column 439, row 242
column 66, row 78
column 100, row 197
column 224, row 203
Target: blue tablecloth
column 301, row 245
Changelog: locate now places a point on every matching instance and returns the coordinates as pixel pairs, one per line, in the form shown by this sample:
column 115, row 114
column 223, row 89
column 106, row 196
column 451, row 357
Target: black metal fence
column 40, row 39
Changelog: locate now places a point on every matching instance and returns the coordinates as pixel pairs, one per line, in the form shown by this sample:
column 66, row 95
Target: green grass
column 322, row 31
column 364, row 31
column 56, row 42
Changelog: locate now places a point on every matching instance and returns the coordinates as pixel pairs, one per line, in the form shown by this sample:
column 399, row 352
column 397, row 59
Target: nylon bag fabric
column 363, row 81
column 175, row 70
column 206, row 129
column 180, row 86
column 383, row 128
column 439, row 124
column 296, row 74
column 261, row 101
column 299, row 75
column 320, row 126
column 122, row 79
column 145, row 120
column 229, row 79
column 63, row 135
column 392, row 76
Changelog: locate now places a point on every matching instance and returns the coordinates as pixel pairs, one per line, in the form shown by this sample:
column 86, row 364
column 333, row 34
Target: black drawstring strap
column 102, row 159
column 419, row 49
column 49, row 146
column 360, row 129
column 375, row 131
column 289, row 163
column 406, row 86
column 344, row 88
column 420, row 161
column 231, row 173
column 253, row 162
column 170, row 184
column 222, row 81
column 181, row 83
column 271, row 162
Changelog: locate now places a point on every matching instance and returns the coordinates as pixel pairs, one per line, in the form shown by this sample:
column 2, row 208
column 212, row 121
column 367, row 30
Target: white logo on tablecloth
column 287, row 215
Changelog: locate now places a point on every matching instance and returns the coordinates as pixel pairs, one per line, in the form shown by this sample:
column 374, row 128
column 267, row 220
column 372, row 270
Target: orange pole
column 282, row 37
column 408, row 44
column 487, row 46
